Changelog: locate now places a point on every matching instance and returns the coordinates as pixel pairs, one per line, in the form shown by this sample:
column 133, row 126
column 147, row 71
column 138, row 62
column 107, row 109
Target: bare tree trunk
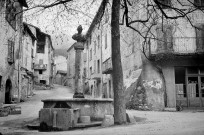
column 119, row 100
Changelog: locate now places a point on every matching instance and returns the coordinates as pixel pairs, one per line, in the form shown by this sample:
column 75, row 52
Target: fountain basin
column 95, row 108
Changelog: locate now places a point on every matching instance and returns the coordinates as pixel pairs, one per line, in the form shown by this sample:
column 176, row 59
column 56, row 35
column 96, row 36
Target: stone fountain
column 77, row 111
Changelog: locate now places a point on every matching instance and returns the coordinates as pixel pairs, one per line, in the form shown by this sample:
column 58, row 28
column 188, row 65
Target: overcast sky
column 60, row 22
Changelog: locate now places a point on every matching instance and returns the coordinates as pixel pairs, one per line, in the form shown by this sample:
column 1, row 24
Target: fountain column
column 79, row 47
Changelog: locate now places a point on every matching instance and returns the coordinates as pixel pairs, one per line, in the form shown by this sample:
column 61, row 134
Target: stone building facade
column 10, row 49
column 164, row 72
column 27, row 60
column 61, row 77
column 96, row 66
column 172, row 66
column 44, row 60
column 180, row 58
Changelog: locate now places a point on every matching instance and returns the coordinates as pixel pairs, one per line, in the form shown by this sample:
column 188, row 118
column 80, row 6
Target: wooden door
column 201, row 90
column 193, row 91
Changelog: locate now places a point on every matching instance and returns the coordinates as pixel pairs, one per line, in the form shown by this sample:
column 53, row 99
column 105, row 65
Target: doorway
column 8, row 92
column 193, row 91
column 189, row 82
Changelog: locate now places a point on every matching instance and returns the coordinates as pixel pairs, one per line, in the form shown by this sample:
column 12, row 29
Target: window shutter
column 169, row 37
column 196, row 2
column 10, row 13
column 199, row 37
column 164, row 38
column 10, row 57
column 160, row 39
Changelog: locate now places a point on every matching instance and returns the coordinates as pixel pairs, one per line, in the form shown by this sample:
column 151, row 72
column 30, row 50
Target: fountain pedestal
column 79, row 47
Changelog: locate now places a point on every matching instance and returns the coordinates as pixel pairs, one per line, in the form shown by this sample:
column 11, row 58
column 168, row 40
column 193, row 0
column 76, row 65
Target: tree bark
column 119, row 100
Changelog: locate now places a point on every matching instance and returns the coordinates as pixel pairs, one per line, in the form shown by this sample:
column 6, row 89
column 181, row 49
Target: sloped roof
column 25, row 25
column 97, row 17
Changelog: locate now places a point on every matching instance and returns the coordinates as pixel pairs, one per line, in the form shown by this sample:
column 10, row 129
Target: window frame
column 13, row 21
column 165, row 3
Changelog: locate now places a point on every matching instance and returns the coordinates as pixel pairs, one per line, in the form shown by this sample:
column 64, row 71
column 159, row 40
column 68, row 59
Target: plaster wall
column 169, row 75
column 46, row 60
column 27, row 47
column 9, row 71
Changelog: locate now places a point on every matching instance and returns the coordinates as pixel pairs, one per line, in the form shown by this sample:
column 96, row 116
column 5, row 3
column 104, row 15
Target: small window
column 110, row 94
column 95, row 47
column 0, row 80
column 40, row 48
column 201, row 70
column 199, row 37
column 41, row 40
column 98, row 41
column 98, row 66
column 90, row 70
column 85, row 72
column 90, row 39
column 32, row 53
column 164, row 38
column 43, row 81
column 11, row 13
column 10, row 57
column 90, row 54
column 106, row 15
column 2, row 2
column 199, row 3
column 180, row 82
column 106, row 39
column 164, row 3
column 40, row 72
column 95, row 66
column 192, row 70
column 26, row 61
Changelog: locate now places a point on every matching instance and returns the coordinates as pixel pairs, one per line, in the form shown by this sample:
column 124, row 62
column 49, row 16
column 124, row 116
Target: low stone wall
column 95, row 108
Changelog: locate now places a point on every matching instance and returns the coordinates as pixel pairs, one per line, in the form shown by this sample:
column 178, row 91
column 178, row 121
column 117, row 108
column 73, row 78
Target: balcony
column 40, row 66
column 181, row 46
column 107, row 67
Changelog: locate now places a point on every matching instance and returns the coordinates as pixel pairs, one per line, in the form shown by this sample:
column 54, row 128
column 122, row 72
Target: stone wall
column 10, row 71
column 46, row 60
column 95, row 108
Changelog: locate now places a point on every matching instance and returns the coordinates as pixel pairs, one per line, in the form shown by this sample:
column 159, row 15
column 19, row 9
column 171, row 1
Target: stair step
column 92, row 124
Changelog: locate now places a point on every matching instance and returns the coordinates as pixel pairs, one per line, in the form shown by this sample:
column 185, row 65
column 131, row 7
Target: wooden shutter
column 165, row 3
column 169, row 37
column 10, row 57
column 164, row 38
column 200, row 37
column 160, row 39
column 196, row 2
column 10, row 14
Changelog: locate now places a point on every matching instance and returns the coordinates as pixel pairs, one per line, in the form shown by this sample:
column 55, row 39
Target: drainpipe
column 19, row 55
column 101, row 62
column 54, row 119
